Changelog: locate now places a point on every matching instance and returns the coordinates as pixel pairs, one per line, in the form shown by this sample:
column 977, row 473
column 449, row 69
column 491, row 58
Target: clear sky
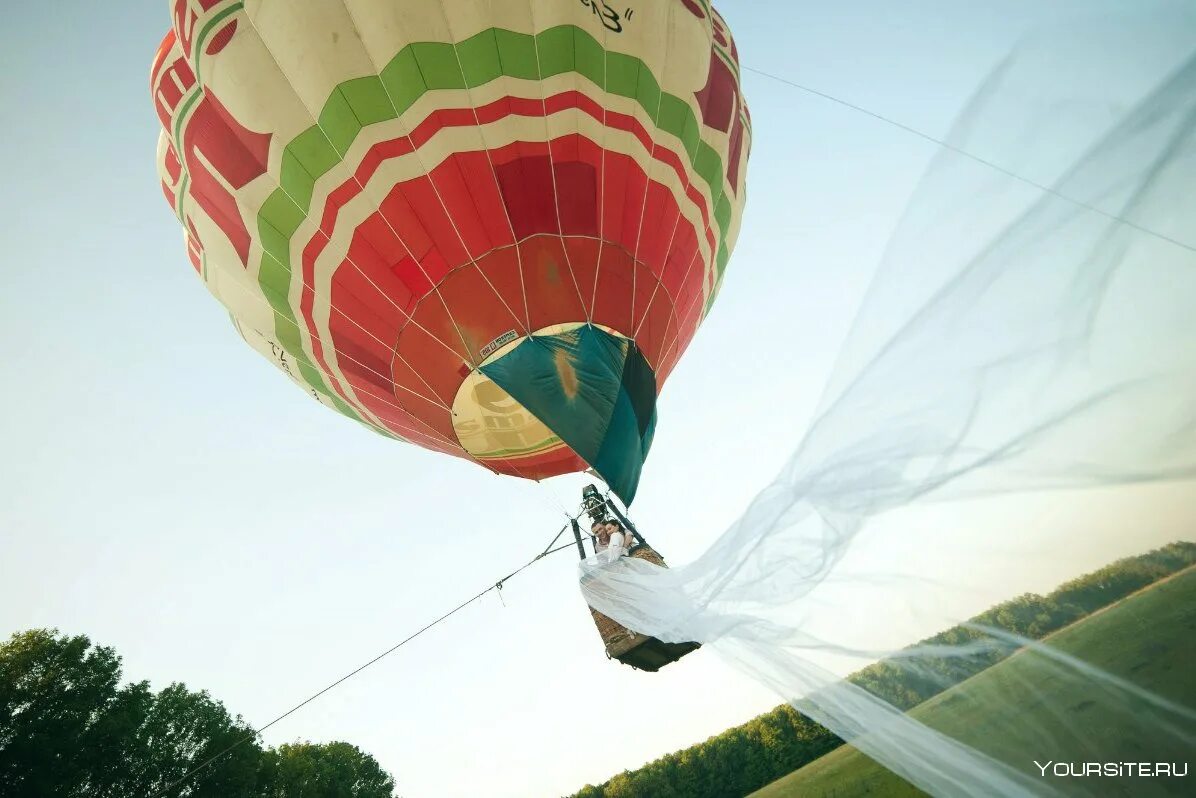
column 164, row 491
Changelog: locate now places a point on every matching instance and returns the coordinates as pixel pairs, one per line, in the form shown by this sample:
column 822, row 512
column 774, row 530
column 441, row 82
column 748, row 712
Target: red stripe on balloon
column 509, row 106
column 397, row 212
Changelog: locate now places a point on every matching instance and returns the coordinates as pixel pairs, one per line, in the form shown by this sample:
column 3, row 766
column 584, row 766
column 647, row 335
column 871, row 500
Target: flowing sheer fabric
column 1016, row 337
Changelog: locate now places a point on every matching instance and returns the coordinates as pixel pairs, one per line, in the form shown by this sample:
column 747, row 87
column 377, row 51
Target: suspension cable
column 498, row 585
column 973, row 157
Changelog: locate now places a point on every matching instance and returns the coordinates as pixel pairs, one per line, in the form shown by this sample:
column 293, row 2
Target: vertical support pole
column 581, row 550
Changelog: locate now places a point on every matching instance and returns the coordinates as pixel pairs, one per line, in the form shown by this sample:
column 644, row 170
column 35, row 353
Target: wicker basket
column 631, row 648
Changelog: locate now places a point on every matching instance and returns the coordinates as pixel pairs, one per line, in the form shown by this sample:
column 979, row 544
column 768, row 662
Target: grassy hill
column 1149, row 638
column 774, row 746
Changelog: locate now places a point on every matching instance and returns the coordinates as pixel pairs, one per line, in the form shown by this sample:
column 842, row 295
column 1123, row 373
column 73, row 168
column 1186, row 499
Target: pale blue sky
column 166, row 492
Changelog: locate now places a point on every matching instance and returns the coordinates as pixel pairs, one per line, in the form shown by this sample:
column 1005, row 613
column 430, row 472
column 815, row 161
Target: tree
column 67, row 730
column 64, row 725
column 332, row 770
column 182, row 730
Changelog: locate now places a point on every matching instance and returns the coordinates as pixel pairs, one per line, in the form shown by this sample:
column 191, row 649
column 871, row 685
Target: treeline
column 68, row 729
column 744, row 759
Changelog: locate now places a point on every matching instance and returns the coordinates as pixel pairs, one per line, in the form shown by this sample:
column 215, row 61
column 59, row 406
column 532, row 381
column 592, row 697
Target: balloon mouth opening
column 496, row 429
column 566, row 398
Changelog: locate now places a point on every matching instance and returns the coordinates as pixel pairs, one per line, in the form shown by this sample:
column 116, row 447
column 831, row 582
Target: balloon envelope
column 489, row 229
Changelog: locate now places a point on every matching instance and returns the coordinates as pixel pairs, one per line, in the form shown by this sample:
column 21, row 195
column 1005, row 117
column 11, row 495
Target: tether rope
column 498, row 585
column 973, row 157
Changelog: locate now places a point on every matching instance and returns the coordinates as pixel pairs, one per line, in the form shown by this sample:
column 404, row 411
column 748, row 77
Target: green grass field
column 1149, row 638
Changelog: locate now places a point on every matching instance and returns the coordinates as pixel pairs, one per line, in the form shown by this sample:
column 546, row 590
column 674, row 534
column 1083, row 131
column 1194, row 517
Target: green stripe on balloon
column 289, row 336
column 189, row 103
column 487, row 56
column 544, row 446
column 205, row 33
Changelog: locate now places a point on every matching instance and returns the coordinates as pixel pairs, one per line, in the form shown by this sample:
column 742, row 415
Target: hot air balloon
column 490, row 229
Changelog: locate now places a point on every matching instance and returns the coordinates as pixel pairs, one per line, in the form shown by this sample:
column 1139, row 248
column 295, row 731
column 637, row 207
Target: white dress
column 613, row 550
